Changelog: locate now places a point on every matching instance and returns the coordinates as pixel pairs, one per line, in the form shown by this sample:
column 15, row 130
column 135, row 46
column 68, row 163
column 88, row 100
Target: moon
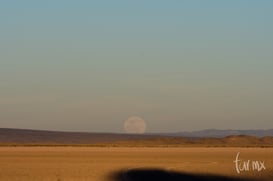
column 134, row 125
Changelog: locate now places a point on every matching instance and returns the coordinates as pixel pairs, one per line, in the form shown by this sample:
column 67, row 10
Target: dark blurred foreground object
column 163, row 175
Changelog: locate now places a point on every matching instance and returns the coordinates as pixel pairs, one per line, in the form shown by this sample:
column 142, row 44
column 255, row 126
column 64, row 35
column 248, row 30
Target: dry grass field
column 140, row 163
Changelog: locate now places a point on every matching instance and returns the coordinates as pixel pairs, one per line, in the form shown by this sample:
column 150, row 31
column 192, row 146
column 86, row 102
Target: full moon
column 135, row 125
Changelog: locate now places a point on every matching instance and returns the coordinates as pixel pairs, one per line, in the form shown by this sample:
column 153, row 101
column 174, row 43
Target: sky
column 179, row 65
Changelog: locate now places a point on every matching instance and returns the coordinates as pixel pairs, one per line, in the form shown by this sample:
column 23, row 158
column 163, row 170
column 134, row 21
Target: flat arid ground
column 132, row 163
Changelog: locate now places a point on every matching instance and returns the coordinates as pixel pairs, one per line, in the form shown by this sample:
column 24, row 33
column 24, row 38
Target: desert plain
column 67, row 163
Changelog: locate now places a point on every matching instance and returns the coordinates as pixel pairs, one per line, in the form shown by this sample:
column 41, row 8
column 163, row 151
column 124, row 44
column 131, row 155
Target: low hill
column 229, row 141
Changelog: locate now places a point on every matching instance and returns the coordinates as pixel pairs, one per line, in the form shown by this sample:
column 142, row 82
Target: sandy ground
column 96, row 163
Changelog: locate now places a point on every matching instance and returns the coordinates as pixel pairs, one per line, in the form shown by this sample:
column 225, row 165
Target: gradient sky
column 180, row 65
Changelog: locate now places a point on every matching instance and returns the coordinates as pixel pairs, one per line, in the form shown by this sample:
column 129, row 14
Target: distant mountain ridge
column 217, row 133
column 29, row 136
column 209, row 137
